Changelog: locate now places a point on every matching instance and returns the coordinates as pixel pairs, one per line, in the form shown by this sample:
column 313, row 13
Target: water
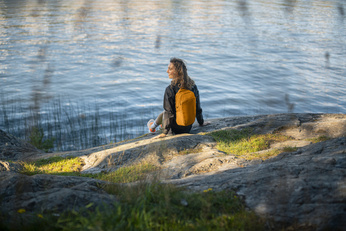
column 103, row 63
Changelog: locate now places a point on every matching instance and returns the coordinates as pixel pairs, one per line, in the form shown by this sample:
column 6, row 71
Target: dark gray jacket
column 169, row 123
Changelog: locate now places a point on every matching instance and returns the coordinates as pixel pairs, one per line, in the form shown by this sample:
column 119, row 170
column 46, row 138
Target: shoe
column 150, row 122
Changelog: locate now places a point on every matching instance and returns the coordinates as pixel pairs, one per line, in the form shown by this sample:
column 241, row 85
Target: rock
column 208, row 159
column 43, row 193
column 12, row 148
column 164, row 152
column 156, row 152
column 319, row 125
column 291, row 143
column 306, row 188
column 298, row 126
column 10, row 167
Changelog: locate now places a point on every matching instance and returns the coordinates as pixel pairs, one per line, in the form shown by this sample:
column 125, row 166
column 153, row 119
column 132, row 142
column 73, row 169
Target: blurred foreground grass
column 153, row 206
column 146, row 205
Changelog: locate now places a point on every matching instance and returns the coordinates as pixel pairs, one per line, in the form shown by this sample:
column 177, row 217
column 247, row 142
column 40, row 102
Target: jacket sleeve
column 199, row 114
column 169, row 107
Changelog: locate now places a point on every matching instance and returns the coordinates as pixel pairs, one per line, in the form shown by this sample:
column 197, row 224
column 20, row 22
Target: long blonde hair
column 183, row 79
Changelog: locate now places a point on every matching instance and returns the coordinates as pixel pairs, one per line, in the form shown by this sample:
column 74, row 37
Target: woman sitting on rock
column 178, row 118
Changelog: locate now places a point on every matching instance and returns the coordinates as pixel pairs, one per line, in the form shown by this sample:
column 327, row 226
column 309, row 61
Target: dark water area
column 92, row 72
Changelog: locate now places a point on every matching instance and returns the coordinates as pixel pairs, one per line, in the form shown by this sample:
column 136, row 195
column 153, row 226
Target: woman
column 177, row 71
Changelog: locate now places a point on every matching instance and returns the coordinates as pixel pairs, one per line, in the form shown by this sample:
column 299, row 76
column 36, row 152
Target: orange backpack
column 185, row 107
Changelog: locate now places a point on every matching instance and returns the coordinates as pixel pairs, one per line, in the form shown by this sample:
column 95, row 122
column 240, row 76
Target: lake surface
column 101, row 64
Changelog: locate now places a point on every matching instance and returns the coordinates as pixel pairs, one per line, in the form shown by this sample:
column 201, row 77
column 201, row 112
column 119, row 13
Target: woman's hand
column 159, row 136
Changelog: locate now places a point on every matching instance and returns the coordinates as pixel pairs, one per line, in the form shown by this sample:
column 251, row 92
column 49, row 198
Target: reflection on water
column 247, row 57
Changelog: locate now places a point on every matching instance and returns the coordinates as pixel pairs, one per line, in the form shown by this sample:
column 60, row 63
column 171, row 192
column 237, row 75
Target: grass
column 128, row 174
column 62, row 125
column 166, row 207
column 142, row 206
column 266, row 154
column 53, row 165
column 73, row 165
column 245, row 144
column 155, row 206
column 190, row 151
column 36, row 138
column 289, row 149
column 319, row 139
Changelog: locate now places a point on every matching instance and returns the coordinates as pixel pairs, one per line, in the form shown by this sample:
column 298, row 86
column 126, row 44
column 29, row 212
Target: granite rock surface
column 304, row 188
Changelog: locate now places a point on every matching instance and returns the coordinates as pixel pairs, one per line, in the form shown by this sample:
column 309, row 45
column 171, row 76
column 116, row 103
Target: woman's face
column 172, row 73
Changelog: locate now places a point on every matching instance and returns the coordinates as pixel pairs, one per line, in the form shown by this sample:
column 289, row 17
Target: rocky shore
column 303, row 188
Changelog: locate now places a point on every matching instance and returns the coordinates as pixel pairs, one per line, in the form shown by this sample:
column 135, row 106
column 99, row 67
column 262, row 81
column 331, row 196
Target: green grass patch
column 244, row 143
column 319, row 139
column 190, row 151
column 262, row 155
column 71, row 166
column 289, row 149
column 54, row 165
column 154, row 206
column 128, row 174
column 168, row 207
column 36, row 138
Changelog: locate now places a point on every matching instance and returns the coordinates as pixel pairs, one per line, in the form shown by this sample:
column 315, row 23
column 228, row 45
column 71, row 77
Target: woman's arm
column 199, row 110
column 169, row 107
